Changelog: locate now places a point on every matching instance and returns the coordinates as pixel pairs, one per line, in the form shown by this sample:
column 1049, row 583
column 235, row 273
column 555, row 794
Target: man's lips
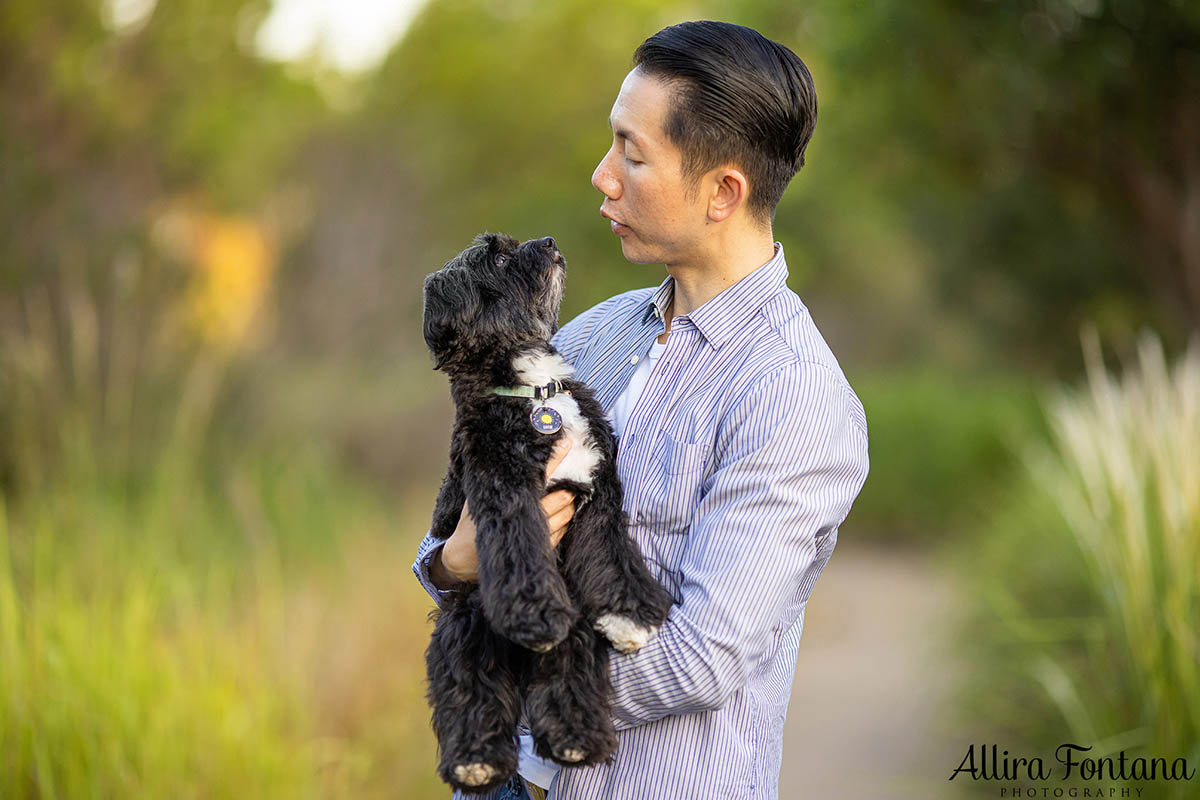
column 619, row 228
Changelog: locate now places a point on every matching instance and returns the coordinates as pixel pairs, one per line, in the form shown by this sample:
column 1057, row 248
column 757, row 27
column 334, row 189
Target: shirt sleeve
column 425, row 552
column 791, row 458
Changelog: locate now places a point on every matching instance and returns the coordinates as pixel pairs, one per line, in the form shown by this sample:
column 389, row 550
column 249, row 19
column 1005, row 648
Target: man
column 741, row 445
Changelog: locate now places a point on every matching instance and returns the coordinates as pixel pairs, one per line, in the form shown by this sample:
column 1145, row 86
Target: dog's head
column 496, row 295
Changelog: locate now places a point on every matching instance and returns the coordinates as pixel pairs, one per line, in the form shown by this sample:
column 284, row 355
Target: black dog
column 524, row 638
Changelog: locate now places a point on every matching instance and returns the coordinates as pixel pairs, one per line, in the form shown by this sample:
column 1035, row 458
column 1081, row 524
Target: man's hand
column 458, row 561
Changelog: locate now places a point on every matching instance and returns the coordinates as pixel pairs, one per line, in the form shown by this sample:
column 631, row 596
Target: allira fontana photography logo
column 1093, row 775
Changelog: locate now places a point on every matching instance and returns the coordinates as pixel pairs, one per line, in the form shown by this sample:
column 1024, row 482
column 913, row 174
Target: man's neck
column 699, row 281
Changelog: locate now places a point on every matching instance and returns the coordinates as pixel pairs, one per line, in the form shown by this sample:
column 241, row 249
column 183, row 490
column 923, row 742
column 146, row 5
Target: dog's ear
column 451, row 305
column 496, row 241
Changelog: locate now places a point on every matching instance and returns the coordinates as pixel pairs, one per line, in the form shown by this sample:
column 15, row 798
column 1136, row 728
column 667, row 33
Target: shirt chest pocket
column 674, row 487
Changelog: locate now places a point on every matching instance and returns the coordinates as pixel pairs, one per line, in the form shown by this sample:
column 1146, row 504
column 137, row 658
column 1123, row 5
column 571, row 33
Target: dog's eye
column 500, row 259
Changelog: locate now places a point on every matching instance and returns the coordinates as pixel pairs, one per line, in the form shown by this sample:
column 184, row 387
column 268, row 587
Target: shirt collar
column 720, row 316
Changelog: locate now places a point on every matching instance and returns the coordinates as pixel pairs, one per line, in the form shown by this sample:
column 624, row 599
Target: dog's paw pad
column 475, row 774
column 625, row 634
column 571, row 754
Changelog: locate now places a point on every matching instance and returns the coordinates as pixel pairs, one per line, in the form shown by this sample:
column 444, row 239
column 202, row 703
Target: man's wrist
column 441, row 577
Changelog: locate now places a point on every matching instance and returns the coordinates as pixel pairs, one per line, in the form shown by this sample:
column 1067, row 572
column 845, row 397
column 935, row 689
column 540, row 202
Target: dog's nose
column 549, row 243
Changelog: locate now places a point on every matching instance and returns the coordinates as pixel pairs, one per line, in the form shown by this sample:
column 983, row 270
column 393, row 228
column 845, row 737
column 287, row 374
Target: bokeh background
column 220, row 434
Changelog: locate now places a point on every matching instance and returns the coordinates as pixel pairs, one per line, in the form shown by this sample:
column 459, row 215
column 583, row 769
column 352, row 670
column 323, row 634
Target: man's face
column 645, row 196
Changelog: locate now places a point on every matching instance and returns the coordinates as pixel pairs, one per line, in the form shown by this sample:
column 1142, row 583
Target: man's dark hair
column 740, row 99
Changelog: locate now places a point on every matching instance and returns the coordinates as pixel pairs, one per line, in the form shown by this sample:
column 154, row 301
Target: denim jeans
column 514, row 790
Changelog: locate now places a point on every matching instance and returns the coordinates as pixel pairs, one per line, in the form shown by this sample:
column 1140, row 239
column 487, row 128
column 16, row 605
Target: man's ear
column 451, row 304
column 729, row 191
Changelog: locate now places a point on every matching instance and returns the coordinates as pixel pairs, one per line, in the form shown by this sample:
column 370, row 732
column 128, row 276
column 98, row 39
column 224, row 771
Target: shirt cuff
column 425, row 553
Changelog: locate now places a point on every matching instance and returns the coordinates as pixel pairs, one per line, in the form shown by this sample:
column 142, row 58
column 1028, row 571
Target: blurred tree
column 103, row 128
column 1048, row 151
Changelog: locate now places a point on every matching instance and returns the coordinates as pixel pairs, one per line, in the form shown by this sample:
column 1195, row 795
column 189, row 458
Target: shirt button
column 633, row 359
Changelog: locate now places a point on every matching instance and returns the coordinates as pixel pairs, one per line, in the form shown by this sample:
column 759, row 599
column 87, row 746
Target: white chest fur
column 540, row 368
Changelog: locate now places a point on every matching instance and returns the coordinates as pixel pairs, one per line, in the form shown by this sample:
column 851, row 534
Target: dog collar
column 544, row 419
column 543, row 392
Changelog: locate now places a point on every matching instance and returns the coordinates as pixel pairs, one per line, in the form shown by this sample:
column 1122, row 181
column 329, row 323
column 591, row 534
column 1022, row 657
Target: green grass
column 116, row 691
column 262, row 641
column 1086, row 594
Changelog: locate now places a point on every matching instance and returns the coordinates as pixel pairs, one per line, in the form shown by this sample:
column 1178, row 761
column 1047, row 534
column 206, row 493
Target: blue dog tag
column 545, row 419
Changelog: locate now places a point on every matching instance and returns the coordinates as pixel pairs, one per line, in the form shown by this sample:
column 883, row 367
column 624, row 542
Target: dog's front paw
column 539, row 632
column 478, row 772
column 571, row 755
column 475, row 774
column 626, row 635
column 579, row 749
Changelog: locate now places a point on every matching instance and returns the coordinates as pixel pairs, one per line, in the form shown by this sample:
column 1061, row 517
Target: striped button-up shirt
column 739, row 462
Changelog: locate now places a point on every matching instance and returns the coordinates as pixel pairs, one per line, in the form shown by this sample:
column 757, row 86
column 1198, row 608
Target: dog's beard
column 551, row 296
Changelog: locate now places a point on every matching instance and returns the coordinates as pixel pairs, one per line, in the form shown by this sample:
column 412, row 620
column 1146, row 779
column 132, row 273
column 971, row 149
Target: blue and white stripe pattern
column 739, row 462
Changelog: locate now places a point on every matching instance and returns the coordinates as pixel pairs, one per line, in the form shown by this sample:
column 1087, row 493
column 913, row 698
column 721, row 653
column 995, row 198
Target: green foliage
column 1042, row 150
column 179, row 642
column 102, row 133
column 941, row 456
column 121, row 692
column 179, row 104
column 1088, row 611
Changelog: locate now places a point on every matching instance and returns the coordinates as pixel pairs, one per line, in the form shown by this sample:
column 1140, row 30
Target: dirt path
column 871, row 679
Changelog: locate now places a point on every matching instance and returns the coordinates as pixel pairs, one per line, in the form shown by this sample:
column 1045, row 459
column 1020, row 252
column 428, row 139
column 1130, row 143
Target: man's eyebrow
column 622, row 133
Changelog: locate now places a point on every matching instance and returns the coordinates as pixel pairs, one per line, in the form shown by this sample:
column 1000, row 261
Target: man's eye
column 500, row 259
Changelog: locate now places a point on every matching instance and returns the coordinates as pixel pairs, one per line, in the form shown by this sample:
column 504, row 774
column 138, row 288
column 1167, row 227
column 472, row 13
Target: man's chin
column 635, row 254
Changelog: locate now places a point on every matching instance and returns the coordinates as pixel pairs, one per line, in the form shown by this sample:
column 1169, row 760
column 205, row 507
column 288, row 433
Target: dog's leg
column 449, row 505
column 524, row 595
column 474, row 698
column 614, row 588
column 448, row 508
column 568, row 700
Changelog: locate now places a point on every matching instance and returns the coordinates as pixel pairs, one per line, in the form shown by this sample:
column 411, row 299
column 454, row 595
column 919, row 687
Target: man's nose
column 604, row 179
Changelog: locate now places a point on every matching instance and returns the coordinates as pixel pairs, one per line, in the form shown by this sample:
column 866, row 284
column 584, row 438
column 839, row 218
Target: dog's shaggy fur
column 524, row 639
